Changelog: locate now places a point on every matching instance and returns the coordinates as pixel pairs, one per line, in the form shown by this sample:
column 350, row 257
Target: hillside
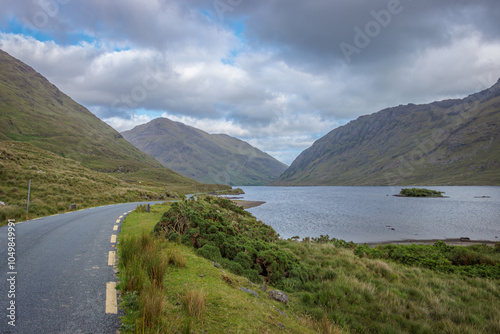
column 452, row 142
column 209, row 158
column 35, row 111
column 57, row 182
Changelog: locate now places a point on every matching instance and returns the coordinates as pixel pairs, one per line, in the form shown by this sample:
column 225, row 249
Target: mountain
column 451, row 142
column 209, row 158
column 35, row 111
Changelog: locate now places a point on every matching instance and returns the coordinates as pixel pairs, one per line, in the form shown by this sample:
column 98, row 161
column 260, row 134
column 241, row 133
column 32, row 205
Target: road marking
column 111, row 258
column 113, row 239
column 115, row 228
column 118, row 221
column 120, row 217
column 111, row 301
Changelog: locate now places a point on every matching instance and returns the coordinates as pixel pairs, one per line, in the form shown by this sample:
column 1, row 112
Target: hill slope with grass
column 452, row 142
column 35, row 111
column 57, row 182
column 209, row 158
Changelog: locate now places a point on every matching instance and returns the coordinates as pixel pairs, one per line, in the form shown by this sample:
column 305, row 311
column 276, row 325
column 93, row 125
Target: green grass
column 345, row 291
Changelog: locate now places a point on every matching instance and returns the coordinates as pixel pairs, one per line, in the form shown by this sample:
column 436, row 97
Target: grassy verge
column 333, row 286
column 194, row 296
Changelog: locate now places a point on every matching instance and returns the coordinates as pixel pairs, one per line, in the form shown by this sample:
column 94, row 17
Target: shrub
column 210, row 252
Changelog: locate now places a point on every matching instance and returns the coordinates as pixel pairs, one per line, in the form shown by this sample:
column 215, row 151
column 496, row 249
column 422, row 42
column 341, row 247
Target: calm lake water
column 372, row 214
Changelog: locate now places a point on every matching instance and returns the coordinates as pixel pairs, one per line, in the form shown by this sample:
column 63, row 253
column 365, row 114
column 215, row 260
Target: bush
column 210, row 252
column 420, row 192
column 222, row 231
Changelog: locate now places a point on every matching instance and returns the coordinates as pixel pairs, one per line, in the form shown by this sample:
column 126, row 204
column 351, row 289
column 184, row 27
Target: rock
column 282, row 313
column 263, row 288
column 201, row 275
column 464, row 239
column 248, row 290
column 2, row 203
column 279, row 296
column 72, row 206
column 281, row 326
column 216, row 265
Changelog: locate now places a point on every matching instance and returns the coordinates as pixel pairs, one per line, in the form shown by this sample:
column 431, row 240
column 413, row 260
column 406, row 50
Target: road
column 58, row 272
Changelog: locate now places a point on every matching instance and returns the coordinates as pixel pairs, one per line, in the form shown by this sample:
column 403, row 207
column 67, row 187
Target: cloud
column 272, row 73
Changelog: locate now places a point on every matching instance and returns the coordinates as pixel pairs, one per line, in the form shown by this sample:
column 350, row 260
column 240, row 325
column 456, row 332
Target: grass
column 57, row 182
column 194, row 301
column 345, row 292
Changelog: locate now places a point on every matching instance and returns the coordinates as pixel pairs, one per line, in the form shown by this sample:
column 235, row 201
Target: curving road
column 59, row 270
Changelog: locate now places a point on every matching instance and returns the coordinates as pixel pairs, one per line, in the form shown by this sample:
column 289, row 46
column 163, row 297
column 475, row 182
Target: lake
column 372, row 214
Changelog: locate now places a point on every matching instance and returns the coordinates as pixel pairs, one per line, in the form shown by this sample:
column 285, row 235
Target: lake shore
column 248, row 204
column 451, row 242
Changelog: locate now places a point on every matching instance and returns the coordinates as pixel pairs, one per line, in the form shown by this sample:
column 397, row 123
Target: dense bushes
column 473, row 261
column 223, row 232
column 420, row 192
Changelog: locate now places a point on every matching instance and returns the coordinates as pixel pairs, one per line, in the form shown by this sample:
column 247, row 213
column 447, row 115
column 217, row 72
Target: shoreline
column 248, row 204
column 449, row 241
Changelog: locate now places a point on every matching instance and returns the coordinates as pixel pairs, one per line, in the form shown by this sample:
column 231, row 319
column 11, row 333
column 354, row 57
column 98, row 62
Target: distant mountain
column 452, row 142
column 208, row 158
column 35, row 111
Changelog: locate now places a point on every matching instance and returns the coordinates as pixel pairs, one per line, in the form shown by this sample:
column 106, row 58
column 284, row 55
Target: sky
column 278, row 74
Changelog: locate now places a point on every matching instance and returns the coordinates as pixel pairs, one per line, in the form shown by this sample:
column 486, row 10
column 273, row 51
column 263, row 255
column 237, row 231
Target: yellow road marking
column 111, row 258
column 113, row 239
column 115, row 228
column 111, row 302
column 120, row 217
column 118, row 221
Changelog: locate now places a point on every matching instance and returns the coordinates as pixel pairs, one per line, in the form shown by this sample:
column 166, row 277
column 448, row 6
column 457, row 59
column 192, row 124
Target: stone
column 281, row 326
column 216, row 265
column 72, row 206
column 263, row 288
column 282, row 313
column 279, row 296
column 251, row 291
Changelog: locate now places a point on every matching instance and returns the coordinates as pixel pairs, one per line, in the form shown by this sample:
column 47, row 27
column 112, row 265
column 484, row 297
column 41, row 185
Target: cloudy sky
column 276, row 73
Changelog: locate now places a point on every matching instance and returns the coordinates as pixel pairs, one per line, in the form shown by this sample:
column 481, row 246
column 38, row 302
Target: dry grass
column 194, row 301
column 175, row 257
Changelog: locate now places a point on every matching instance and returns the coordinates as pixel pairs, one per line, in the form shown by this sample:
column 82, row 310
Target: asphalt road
column 56, row 279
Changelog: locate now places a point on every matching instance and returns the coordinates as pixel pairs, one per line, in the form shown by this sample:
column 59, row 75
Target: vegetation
column 57, row 182
column 472, row 261
column 33, row 111
column 235, row 191
column 344, row 287
column 420, row 192
column 223, row 232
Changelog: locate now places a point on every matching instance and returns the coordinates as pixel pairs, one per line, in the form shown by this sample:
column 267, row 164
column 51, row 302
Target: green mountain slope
column 35, row 111
column 452, row 142
column 205, row 157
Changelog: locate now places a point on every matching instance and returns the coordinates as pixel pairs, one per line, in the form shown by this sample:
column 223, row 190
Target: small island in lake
column 419, row 192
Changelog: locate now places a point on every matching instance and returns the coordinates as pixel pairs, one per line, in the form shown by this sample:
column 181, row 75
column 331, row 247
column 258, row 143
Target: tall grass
column 194, row 301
